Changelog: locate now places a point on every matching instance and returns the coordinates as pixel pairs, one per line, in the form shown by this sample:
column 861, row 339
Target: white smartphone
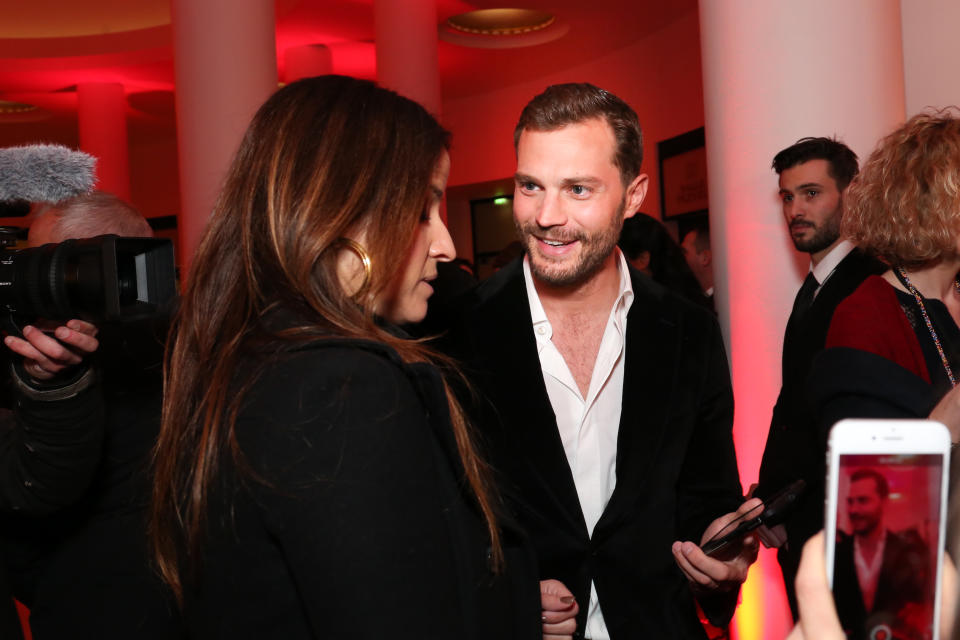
column 886, row 511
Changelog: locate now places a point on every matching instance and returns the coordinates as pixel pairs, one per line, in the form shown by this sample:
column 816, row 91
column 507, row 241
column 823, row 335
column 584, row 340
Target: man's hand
column 45, row 357
column 712, row 574
column 559, row 610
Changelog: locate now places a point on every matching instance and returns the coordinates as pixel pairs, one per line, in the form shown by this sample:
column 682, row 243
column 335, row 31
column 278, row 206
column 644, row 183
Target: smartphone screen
column 887, row 533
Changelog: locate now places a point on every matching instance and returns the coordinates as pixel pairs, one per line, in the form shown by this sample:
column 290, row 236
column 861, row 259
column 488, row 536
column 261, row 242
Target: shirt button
column 541, row 330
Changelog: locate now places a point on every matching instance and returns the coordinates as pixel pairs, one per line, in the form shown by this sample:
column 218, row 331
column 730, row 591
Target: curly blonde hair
column 904, row 206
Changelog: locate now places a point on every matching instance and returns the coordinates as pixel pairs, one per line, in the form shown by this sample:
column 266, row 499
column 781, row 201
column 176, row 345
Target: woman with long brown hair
column 314, row 475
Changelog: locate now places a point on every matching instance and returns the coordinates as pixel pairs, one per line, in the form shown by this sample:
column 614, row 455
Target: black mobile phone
column 770, row 513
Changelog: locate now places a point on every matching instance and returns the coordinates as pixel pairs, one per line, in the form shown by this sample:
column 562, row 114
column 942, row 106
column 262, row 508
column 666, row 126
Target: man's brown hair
column 563, row 104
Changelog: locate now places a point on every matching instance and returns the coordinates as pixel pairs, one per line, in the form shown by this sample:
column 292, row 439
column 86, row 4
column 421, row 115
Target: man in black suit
column 814, row 173
column 604, row 399
column 881, row 579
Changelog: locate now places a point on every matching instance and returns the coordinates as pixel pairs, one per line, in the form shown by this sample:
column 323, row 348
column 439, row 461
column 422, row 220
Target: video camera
column 106, row 278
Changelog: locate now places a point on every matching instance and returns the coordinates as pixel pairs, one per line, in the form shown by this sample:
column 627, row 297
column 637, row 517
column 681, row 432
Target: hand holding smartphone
column 885, row 525
column 769, row 514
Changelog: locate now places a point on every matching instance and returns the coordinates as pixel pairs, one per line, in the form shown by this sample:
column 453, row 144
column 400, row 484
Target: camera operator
column 49, row 445
column 83, row 571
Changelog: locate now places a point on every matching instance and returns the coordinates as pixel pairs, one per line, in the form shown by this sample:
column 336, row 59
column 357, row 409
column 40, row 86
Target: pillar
column 775, row 72
column 929, row 41
column 225, row 64
column 102, row 122
column 306, row 61
column 406, row 39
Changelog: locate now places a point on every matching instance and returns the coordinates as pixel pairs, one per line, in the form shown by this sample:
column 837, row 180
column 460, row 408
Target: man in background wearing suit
column 604, row 399
column 814, row 173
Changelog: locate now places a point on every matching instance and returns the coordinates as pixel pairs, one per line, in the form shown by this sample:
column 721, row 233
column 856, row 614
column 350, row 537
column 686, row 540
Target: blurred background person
column 314, row 476
column 695, row 245
column 649, row 247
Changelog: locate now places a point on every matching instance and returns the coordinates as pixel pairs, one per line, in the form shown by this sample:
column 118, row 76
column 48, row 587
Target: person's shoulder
column 907, row 541
column 860, row 264
column 671, row 305
column 507, row 279
column 872, row 294
column 332, row 362
column 327, row 389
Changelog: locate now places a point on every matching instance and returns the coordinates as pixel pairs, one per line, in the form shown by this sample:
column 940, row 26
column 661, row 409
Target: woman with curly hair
column 315, row 477
column 893, row 349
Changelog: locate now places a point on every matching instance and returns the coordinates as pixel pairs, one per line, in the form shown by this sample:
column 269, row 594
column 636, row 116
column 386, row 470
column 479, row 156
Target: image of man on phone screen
column 883, row 582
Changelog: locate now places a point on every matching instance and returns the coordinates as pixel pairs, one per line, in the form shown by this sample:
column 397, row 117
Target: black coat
column 676, row 466
column 354, row 521
column 84, row 569
column 49, row 450
column 795, row 449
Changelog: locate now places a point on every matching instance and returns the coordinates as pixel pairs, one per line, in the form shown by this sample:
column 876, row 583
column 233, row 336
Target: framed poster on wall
column 683, row 175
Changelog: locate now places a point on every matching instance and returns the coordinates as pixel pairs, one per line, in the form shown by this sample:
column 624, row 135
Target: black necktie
column 805, row 296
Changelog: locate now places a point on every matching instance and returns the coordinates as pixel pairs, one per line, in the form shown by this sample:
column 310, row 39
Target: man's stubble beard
column 594, row 251
column 823, row 236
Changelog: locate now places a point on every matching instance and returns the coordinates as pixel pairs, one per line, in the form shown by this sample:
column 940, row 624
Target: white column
column 406, row 39
column 226, row 67
column 102, row 124
column 774, row 72
column 930, row 49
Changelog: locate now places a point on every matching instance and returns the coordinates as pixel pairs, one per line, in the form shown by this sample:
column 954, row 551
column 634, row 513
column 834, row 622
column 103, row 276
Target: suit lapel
column 519, row 395
column 648, row 383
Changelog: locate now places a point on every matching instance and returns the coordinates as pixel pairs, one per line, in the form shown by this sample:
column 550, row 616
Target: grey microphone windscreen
column 44, row 173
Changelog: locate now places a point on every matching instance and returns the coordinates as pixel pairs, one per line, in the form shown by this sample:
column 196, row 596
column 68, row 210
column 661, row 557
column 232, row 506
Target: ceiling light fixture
column 501, row 28
column 501, row 22
column 8, row 107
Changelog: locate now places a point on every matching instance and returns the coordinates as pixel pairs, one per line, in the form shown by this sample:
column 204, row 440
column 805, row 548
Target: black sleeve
column 709, row 485
column 355, row 503
column 50, row 447
column 851, row 383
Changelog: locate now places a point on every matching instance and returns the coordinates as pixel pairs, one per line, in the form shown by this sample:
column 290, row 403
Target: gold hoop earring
column 361, row 253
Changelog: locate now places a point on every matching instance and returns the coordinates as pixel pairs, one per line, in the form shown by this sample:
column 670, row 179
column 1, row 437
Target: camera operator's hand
column 45, row 357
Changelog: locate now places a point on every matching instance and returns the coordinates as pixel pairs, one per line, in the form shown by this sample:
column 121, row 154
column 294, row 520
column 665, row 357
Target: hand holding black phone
column 770, row 513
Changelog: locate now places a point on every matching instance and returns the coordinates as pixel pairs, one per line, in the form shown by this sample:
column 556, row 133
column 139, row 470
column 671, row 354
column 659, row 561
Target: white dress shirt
column 588, row 426
column 829, row 263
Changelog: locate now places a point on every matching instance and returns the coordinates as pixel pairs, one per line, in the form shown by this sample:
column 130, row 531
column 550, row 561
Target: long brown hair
column 323, row 159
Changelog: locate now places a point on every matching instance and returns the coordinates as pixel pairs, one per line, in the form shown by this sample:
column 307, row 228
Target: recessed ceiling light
column 502, row 28
column 501, row 22
column 7, row 107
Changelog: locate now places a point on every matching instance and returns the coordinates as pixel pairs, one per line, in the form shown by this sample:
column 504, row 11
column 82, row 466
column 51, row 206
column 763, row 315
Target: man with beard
column 814, row 173
column 603, row 399
column 882, row 579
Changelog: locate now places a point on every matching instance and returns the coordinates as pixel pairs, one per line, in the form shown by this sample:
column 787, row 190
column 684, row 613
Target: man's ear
column 706, row 257
column 636, row 192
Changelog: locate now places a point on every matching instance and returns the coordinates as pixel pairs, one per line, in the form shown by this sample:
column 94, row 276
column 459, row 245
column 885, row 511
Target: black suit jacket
column 676, row 467
column 794, row 447
column 905, row 577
